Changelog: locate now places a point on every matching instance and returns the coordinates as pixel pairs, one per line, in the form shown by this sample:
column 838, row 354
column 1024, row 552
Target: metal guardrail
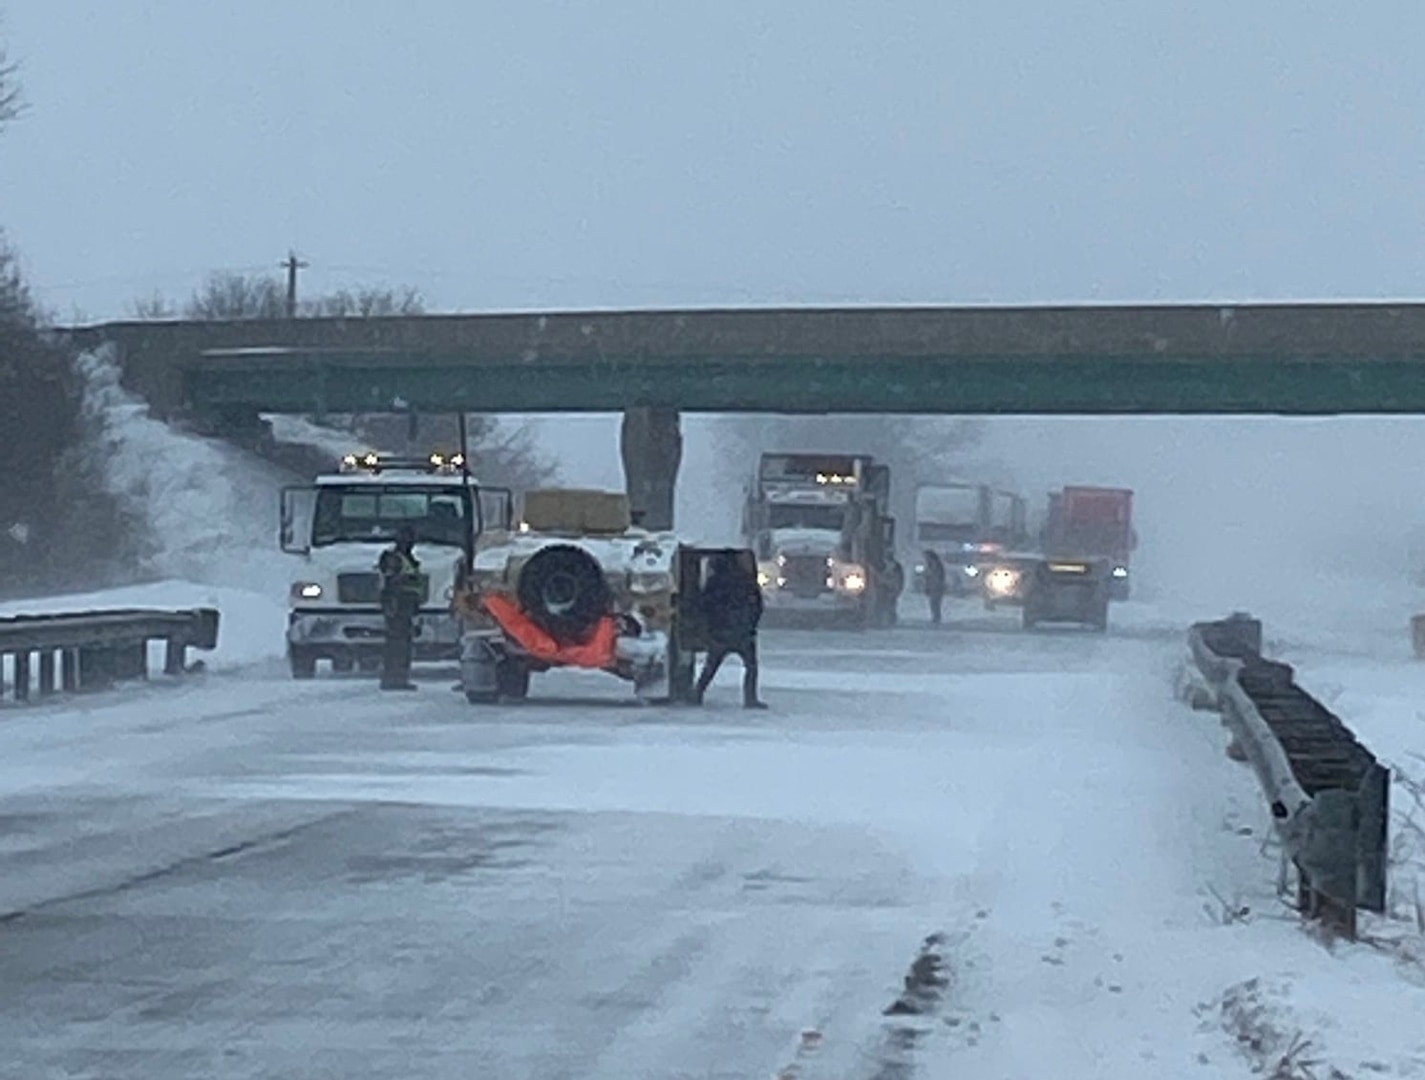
column 1328, row 795
column 91, row 650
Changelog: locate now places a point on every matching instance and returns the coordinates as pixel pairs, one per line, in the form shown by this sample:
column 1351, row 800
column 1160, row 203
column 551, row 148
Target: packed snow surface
column 397, row 885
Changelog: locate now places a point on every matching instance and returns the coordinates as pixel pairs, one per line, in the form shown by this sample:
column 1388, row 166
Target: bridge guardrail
column 1328, row 795
column 91, row 650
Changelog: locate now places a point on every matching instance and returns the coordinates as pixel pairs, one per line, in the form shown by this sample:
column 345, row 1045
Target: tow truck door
column 295, row 528
column 691, row 625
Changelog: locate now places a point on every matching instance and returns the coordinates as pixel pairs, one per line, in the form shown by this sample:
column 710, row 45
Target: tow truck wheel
column 342, row 664
column 303, row 663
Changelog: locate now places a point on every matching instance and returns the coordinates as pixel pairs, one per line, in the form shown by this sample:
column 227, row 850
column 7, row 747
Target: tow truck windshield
column 370, row 514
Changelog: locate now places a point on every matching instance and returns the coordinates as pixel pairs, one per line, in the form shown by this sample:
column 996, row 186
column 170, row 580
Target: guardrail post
column 175, row 656
column 22, row 676
column 205, row 629
column 46, row 672
column 1327, row 857
column 1373, row 838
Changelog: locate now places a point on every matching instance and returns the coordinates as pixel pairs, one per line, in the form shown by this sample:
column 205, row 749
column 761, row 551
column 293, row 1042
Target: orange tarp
column 597, row 652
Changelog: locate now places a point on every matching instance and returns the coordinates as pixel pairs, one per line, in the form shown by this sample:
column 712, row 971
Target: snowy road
column 249, row 877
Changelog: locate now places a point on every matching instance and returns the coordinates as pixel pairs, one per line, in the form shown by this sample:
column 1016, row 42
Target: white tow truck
column 339, row 526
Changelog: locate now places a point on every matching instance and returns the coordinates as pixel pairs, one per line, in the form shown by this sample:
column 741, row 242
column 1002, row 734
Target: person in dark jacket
column 934, row 585
column 732, row 607
column 401, row 590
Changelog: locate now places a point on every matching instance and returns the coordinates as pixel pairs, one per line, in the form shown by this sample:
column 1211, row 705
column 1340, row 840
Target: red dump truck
column 1093, row 522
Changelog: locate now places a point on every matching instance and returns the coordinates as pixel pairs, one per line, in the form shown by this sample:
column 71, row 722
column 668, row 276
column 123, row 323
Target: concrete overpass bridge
column 1293, row 359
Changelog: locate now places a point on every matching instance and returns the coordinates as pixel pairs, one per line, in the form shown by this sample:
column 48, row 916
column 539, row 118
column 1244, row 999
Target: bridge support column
column 651, row 445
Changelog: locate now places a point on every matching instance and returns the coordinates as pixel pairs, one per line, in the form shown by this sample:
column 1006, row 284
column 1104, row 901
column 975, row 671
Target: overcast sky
column 525, row 154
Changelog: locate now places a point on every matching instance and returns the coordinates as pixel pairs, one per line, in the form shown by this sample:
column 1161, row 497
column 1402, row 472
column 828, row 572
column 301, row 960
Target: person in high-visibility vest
column 401, row 592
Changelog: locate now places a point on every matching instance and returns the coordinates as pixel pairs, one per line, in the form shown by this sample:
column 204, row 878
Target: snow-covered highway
column 243, row 876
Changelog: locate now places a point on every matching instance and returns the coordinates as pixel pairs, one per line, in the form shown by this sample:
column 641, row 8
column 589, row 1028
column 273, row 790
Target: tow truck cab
column 338, row 527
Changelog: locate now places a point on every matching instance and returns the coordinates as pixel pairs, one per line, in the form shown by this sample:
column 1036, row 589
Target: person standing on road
column 732, row 607
column 934, row 585
column 401, row 589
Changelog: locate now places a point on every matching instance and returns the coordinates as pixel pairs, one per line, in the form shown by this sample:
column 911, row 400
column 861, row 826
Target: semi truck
column 824, row 539
column 967, row 524
column 1093, row 522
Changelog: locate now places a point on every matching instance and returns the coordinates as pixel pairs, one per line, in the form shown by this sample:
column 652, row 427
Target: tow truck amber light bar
column 376, row 463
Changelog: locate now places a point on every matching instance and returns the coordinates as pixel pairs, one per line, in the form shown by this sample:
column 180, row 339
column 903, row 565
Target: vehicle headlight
column 972, row 570
column 306, row 590
column 1001, row 581
column 763, row 579
column 1120, row 571
column 854, row 582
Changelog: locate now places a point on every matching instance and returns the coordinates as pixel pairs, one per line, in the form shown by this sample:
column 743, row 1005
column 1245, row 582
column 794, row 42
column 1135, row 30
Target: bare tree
column 153, row 308
column 11, row 104
column 366, row 303
column 237, row 296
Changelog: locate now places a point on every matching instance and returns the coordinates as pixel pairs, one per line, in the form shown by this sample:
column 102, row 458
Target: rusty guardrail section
column 1328, row 795
column 91, row 650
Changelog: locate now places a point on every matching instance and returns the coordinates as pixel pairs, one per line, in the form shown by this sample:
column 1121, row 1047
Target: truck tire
column 562, row 588
column 343, row 664
column 302, row 661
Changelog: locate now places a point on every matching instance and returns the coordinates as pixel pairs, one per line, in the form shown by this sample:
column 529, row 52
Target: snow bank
column 209, row 513
column 210, row 510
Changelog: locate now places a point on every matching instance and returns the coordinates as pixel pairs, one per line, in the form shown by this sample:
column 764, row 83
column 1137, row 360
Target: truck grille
column 365, row 588
column 805, row 574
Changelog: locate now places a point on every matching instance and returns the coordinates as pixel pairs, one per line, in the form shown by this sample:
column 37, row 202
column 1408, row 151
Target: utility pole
column 293, row 264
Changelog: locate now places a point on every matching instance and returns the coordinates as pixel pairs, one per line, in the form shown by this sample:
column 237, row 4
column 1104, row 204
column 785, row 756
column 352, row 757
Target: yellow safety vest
column 405, row 579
